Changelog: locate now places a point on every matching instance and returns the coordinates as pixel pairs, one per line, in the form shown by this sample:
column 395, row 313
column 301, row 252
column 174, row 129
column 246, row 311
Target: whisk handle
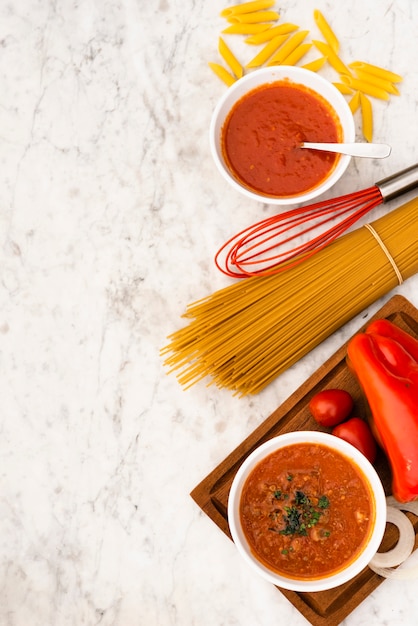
column 399, row 183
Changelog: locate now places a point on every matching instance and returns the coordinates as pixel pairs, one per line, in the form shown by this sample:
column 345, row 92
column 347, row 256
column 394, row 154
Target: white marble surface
column 111, row 211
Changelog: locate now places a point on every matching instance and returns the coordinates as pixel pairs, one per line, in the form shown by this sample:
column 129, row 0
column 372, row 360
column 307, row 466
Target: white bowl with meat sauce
column 255, row 134
column 307, row 511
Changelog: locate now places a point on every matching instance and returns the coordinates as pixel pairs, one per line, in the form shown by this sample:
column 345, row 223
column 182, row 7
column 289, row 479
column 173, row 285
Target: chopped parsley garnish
column 294, row 522
column 323, row 502
column 300, row 498
column 314, row 517
column 301, row 515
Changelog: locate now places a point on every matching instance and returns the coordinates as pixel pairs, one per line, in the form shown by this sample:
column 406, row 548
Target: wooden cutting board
column 324, row 608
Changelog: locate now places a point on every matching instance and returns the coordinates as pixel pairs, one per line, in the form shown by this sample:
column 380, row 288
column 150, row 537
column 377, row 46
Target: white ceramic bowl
column 376, row 488
column 264, row 76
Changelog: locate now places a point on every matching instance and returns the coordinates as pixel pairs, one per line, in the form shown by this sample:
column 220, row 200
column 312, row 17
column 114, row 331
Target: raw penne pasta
column 265, row 53
column 332, row 57
column 222, row 73
column 354, row 102
column 297, row 54
column 230, row 59
column 245, row 29
column 315, row 65
column 378, row 71
column 366, row 117
column 247, row 7
column 377, row 81
column 343, row 88
column 293, row 42
column 270, row 33
column 254, row 18
column 367, row 88
column 326, row 30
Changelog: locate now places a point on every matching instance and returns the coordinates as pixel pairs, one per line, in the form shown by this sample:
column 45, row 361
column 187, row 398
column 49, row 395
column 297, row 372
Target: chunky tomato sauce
column 306, row 511
column 261, row 139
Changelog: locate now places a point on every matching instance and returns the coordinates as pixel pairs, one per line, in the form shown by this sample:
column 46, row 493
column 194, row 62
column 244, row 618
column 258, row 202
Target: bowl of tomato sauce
column 258, row 126
column 307, row 511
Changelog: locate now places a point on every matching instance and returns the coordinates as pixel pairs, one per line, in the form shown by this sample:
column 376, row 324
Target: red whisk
column 266, row 247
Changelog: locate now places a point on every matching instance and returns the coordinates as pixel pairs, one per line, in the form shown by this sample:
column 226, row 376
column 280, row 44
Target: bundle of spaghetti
column 244, row 335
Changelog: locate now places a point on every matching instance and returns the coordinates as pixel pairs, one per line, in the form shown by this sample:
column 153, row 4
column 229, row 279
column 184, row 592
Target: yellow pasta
column 297, row 54
column 229, row 58
column 247, row 7
column 378, row 71
column 270, row 33
column 222, row 73
column 326, row 30
column 316, row 64
column 284, row 44
column 254, row 18
column 266, row 52
column 332, row 57
column 245, row 29
column 291, row 44
column 343, row 88
column 243, row 336
column 377, row 81
column 367, row 88
column 366, row 117
column 354, row 102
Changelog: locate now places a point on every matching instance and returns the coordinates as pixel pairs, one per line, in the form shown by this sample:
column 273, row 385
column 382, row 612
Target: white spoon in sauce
column 370, row 150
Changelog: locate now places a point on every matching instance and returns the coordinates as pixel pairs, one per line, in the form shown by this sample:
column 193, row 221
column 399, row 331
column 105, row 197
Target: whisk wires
column 265, row 248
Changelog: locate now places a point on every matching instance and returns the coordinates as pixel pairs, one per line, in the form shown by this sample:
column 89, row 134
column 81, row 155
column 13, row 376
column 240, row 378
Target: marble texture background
column 110, row 213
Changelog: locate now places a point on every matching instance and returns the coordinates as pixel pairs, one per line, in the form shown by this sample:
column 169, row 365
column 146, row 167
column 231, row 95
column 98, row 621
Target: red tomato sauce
column 262, row 134
column 306, row 511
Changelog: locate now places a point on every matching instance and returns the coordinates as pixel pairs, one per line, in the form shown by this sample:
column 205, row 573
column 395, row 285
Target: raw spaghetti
column 243, row 336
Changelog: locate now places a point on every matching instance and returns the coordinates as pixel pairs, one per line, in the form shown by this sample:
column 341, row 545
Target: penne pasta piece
column 332, row 57
column 354, row 102
column 293, row 42
column 326, row 30
column 254, row 18
column 273, row 31
column 245, row 29
column 230, row 59
column 315, row 65
column 267, row 51
column 222, row 73
column 297, row 54
column 377, row 81
column 378, row 71
column 247, row 7
column 366, row 117
column 366, row 88
column 343, row 88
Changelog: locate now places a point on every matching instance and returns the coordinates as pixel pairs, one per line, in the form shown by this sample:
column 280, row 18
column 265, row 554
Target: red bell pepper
column 385, row 361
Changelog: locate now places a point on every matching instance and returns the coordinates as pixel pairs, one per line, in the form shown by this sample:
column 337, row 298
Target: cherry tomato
column 357, row 432
column 331, row 406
